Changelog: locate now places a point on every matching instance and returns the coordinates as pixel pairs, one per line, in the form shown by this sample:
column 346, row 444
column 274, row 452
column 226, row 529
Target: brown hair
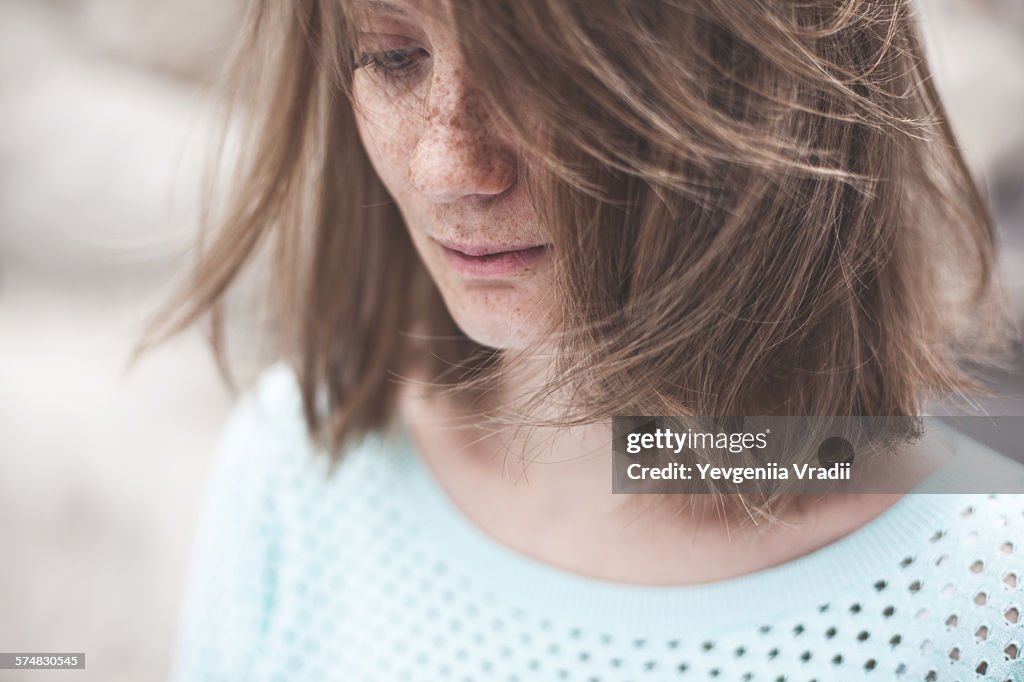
column 757, row 208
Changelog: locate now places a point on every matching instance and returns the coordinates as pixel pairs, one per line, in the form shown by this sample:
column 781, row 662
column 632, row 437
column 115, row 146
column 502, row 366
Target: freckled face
column 454, row 178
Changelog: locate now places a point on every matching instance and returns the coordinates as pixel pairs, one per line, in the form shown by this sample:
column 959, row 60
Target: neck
column 546, row 491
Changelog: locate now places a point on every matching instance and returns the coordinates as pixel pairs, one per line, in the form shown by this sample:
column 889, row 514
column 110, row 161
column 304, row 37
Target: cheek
column 389, row 134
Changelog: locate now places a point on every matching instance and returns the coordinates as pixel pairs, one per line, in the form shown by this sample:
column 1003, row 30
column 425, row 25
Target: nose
column 459, row 154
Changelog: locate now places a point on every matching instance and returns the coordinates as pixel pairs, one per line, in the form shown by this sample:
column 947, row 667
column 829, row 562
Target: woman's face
column 454, row 176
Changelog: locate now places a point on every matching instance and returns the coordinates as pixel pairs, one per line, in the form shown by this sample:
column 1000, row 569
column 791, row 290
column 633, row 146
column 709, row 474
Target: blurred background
column 105, row 115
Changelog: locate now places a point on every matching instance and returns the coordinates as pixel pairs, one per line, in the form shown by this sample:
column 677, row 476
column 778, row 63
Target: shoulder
column 231, row 596
column 974, row 574
column 266, row 444
column 271, row 408
column 262, row 441
column 972, row 468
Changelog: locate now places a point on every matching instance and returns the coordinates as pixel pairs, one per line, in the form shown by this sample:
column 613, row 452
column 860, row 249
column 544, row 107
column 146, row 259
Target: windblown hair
column 756, row 208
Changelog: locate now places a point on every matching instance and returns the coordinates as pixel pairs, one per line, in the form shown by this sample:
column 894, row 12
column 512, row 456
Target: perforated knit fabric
column 373, row 574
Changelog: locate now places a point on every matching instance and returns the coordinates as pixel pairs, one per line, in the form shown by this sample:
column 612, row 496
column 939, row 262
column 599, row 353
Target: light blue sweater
column 374, row 575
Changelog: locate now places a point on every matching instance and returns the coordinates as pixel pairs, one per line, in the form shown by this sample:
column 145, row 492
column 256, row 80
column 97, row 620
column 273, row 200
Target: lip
column 491, row 261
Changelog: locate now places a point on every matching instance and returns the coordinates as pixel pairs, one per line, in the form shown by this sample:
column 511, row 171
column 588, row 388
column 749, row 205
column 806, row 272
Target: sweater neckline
column 849, row 565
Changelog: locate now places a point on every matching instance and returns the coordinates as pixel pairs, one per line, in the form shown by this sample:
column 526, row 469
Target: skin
column 543, row 492
column 454, row 178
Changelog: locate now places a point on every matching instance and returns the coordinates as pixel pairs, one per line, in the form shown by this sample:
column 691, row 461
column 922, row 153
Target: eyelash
column 392, row 64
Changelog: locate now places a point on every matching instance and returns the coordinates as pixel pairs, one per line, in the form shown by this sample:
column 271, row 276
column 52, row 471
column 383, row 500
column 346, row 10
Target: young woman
column 495, row 226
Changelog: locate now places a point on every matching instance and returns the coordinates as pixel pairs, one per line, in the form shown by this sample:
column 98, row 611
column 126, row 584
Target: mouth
column 490, row 261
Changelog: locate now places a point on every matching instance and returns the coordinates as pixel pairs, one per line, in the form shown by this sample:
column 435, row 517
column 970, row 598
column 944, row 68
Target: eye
column 393, row 64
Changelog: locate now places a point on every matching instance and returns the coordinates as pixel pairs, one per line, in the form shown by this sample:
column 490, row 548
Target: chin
column 500, row 319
